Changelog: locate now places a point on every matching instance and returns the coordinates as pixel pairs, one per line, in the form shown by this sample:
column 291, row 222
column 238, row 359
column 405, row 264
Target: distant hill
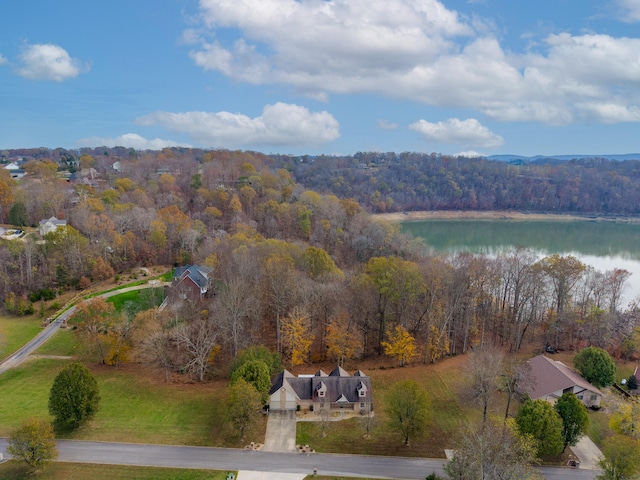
column 548, row 158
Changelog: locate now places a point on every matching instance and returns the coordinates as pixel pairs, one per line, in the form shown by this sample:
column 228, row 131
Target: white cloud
column 469, row 132
column 48, row 62
column 129, row 140
column 386, row 125
column 280, row 124
column 418, row 51
column 2, row 59
column 469, row 154
column 630, row 10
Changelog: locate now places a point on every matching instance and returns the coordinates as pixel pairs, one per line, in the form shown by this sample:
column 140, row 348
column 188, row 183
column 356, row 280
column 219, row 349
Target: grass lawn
column 449, row 413
column 141, row 299
column 16, row 331
column 81, row 471
column 63, row 342
column 135, row 407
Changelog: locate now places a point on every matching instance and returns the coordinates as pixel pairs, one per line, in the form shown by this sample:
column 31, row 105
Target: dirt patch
column 492, row 215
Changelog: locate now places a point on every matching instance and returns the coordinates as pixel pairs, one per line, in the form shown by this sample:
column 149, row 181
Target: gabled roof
column 339, row 386
column 339, row 372
column 320, row 373
column 199, row 274
column 53, row 221
column 549, row 376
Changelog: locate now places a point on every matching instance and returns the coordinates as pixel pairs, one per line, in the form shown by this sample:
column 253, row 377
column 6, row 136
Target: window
column 362, row 405
column 594, row 396
column 322, row 405
column 362, row 393
column 321, row 393
column 580, row 397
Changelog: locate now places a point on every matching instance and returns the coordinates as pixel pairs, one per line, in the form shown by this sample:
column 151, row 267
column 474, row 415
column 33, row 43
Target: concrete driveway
column 587, row 452
column 281, row 432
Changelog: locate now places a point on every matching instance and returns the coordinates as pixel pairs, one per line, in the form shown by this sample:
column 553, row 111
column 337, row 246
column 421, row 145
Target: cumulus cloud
column 48, row 62
column 129, row 140
column 418, row 51
column 469, row 132
column 280, row 124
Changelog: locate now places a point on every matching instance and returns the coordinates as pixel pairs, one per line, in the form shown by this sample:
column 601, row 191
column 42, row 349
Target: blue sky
column 323, row 76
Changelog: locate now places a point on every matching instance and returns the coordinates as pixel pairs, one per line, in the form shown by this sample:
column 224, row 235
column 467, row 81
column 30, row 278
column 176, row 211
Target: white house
column 51, row 225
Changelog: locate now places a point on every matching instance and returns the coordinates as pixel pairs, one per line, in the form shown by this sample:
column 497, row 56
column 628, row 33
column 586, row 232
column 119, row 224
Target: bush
column 632, row 383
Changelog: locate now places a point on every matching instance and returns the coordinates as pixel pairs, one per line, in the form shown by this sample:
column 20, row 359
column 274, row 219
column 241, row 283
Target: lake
column 603, row 245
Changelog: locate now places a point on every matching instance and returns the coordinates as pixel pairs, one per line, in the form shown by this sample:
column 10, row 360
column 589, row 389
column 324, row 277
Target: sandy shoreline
column 494, row 215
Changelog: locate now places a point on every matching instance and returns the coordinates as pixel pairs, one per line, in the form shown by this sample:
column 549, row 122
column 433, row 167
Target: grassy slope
column 135, row 407
column 15, row 332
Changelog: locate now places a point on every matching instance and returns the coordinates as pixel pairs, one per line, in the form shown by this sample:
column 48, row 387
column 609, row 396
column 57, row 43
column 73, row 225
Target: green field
column 139, row 300
column 15, row 332
column 62, row 343
column 134, row 408
column 80, row 471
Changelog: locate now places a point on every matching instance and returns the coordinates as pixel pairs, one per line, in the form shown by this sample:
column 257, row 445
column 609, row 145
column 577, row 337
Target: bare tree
column 484, row 367
column 197, row 341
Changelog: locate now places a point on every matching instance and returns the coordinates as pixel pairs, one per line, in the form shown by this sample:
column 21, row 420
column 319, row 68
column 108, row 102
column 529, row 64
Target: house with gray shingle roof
column 549, row 379
column 192, row 281
column 336, row 391
column 49, row 225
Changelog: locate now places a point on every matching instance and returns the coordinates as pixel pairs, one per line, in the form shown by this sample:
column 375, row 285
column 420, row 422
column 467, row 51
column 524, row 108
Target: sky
column 334, row 77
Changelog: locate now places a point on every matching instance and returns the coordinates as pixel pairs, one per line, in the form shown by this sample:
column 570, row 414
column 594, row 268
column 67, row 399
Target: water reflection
column 602, row 245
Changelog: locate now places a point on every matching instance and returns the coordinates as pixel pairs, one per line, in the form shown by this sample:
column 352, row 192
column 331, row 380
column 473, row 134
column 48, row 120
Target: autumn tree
column 93, row 318
column 297, row 336
column 626, row 419
column 400, row 344
column 620, row 460
column 492, row 451
column 74, row 396
column 343, row 339
column 6, row 198
column 198, row 340
column 102, row 270
column 542, row 422
column 34, row 442
column 407, row 404
column 279, row 286
column 575, row 418
column 484, row 368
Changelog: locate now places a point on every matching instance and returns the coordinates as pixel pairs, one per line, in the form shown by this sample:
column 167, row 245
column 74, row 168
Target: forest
column 298, row 263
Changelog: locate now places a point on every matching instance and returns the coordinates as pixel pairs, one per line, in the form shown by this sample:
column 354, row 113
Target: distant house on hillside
column 191, row 281
column 51, row 225
column 14, row 170
column 549, row 379
column 336, row 391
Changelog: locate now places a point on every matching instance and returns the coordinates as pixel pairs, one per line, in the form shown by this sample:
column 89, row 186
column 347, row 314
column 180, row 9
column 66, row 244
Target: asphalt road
column 234, row 459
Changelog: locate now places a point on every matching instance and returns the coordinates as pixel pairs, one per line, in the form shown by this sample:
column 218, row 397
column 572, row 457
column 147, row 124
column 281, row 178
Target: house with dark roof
column 191, row 281
column 321, row 391
column 549, row 379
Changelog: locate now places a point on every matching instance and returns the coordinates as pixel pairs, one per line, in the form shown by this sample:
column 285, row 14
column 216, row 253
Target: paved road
column 258, row 461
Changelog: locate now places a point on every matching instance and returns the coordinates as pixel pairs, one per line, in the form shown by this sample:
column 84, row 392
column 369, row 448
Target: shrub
column 632, row 383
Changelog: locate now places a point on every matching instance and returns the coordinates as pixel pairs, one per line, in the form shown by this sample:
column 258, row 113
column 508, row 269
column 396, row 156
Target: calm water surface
column 603, row 245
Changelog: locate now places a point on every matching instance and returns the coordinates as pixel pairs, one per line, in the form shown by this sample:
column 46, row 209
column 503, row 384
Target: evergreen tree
column 74, row 396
